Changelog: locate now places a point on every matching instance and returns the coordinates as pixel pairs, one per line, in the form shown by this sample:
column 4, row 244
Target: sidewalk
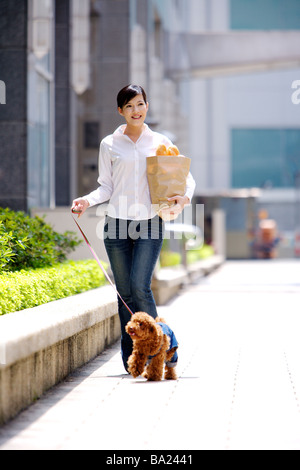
column 238, row 386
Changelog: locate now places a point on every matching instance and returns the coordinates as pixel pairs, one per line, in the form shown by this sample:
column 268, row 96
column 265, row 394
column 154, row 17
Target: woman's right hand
column 79, row 206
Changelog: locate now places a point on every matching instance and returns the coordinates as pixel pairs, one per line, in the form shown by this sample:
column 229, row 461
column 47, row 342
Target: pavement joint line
column 234, row 392
column 291, row 380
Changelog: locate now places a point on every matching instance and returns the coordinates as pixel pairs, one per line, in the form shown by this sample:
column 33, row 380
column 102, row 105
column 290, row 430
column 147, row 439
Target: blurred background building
column 218, row 74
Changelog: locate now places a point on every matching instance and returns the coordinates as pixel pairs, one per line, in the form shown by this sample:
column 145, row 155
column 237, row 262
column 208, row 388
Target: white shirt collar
column 121, row 129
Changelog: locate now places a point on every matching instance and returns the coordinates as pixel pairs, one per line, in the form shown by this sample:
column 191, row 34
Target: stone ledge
column 168, row 281
column 41, row 346
column 28, row 331
column 205, row 266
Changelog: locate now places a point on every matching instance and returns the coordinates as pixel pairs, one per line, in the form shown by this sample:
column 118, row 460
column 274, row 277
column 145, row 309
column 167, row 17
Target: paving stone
column 238, row 385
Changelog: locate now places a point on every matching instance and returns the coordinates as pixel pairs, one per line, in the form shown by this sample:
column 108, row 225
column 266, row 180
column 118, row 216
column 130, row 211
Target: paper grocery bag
column 167, row 178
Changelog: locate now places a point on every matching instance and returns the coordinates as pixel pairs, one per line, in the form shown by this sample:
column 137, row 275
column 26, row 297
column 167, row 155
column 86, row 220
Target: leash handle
column 99, row 262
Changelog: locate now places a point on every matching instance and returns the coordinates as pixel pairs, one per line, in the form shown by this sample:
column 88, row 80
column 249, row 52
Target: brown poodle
column 154, row 344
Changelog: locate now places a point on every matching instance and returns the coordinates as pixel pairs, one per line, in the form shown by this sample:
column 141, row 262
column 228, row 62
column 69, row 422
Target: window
column 40, row 167
column 265, row 14
column 265, row 157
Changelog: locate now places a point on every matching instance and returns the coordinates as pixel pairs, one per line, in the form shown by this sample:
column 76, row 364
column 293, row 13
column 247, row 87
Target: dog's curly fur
column 149, row 340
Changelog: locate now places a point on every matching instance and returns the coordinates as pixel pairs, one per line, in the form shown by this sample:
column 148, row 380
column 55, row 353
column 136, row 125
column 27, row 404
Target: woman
column 133, row 233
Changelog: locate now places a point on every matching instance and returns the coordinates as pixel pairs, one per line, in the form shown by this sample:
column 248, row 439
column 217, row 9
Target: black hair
column 128, row 92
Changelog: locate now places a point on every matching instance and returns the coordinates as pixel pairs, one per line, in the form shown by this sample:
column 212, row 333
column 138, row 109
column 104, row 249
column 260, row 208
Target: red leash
column 99, row 263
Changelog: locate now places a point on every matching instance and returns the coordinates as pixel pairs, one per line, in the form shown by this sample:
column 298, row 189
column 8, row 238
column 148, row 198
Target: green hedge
column 202, row 253
column 170, row 258
column 33, row 287
column 29, row 242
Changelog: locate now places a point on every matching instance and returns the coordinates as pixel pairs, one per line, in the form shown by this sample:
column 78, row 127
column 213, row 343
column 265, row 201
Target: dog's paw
column 154, row 378
column 170, row 374
column 135, row 370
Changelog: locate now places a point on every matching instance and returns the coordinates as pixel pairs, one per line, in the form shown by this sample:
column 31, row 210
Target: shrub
column 6, row 241
column 33, row 287
column 202, row 253
column 28, row 242
column 169, row 258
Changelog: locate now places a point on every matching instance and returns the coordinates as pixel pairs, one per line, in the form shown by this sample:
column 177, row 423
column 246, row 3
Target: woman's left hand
column 177, row 208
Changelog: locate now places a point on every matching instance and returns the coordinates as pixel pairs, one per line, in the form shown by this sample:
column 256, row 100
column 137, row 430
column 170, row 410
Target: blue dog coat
column 173, row 344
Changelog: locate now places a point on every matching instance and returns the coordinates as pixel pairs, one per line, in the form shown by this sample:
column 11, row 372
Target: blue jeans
column 133, row 248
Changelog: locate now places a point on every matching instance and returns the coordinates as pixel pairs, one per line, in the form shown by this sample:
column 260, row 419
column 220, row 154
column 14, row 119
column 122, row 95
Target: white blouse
column 123, row 174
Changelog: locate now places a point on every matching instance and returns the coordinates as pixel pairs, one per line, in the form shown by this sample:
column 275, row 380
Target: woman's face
column 135, row 111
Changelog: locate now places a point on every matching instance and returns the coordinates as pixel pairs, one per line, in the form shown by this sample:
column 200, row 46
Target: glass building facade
column 265, row 157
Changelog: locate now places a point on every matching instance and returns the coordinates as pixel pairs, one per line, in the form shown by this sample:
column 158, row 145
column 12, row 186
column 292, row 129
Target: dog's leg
column 156, row 367
column 136, row 363
column 145, row 373
column 170, row 372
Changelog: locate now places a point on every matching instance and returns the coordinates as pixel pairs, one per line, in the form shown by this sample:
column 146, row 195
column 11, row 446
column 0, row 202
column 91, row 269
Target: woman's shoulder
column 108, row 140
